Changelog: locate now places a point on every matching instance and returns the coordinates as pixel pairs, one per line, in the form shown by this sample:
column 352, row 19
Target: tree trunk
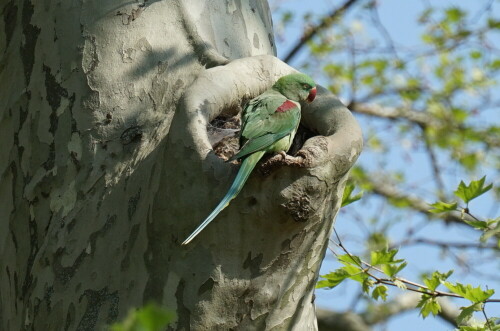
column 106, row 167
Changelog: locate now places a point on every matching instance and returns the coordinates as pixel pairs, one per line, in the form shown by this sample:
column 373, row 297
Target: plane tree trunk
column 106, row 166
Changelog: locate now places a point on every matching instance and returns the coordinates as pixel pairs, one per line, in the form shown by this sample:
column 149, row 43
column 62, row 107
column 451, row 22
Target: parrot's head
column 296, row 87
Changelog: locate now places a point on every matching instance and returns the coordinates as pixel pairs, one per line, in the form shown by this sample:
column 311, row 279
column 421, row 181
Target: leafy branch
column 467, row 193
column 383, row 262
column 383, row 269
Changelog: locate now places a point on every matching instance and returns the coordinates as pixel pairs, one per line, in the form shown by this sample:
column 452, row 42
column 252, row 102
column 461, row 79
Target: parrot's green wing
column 267, row 119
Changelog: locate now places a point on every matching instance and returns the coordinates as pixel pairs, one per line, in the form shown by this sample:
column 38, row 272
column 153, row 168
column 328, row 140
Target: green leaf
column 287, row 17
column 377, row 241
column 393, row 269
column 349, row 259
column 400, row 284
column 493, row 24
column 434, row 280
column 428, row 305
column 473, row 190
column 367, row 284
column 492, row 230
column 333, row 279
column 355, row 273
column 441, row 207
column 466, row 312
column 384, row 257
column 479, row 225
column 479, row 327
column 347, row 199
column 474, row 294
column 380, row 292
column 454, row 14
column 148, row 318
column 476, row 54
column 387, row 262
column 495, row 64
column 492, row 324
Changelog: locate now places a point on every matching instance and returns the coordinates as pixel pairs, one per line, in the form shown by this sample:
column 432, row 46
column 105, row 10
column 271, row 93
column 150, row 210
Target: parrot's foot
column 282, row 159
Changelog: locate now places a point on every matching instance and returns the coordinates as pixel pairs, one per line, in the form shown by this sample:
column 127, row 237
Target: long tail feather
column 246, row 168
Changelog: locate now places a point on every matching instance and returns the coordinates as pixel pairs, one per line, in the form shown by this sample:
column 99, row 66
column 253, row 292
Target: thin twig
column 467, row 212
column 313, row 31
column 434, row 165
column 443, row 244
column 486, row 317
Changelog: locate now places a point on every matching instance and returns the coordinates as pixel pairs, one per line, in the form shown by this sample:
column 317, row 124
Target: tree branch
column 310, row 33
column 391, row 192
column 347, row 321
column 406, row 302
column 420, row 118
column 391, row 113
column 334, row 321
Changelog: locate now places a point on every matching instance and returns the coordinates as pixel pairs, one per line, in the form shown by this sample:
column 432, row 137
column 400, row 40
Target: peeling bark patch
column 285, row 245
column 9, row 18
column 95, row 300
column 253, row 264
column 134, row 232
column 49, row 290
column 64, row 274
column 128, row 18
column 182, row 312
column 206, row 286
column 90, row 58
column 256, row 41
column 28, row 279
column 13, row 170
column 16, row 292
column 14, row 239
column 155, row 264
column 130, row 135
column 70, row 315
column 7, row 271
column 51, row 160
column 271, row 40
column 107, row 225
column 54, row 92
column 23, row 115
column 30, row 36
column 299, row 207
column 132, row 204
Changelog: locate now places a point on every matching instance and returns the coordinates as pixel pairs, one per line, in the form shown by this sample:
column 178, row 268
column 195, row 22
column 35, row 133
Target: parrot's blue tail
column 246, row 168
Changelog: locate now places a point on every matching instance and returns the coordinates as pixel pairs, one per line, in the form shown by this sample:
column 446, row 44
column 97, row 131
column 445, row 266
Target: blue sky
column 399, row 18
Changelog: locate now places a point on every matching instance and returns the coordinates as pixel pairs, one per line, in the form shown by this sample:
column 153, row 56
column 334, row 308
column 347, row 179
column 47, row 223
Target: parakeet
column 269, row 123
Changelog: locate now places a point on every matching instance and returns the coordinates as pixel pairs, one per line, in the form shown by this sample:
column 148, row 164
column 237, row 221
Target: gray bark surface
column 106, row 167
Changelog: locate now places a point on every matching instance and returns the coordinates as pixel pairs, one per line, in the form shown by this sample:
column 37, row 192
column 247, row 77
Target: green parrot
column 269, row 123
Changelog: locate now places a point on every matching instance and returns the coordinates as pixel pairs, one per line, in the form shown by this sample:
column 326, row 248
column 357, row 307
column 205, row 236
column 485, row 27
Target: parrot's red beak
column 312, row 95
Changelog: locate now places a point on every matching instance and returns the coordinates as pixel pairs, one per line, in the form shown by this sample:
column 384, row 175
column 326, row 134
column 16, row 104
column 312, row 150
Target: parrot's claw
column 280, row 160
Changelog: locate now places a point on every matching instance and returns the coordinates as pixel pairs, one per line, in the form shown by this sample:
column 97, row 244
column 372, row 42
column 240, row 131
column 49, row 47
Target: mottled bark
column 104, row 172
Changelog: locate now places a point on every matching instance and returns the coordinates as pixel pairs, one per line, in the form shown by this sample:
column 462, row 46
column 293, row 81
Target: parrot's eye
column 306, row 86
